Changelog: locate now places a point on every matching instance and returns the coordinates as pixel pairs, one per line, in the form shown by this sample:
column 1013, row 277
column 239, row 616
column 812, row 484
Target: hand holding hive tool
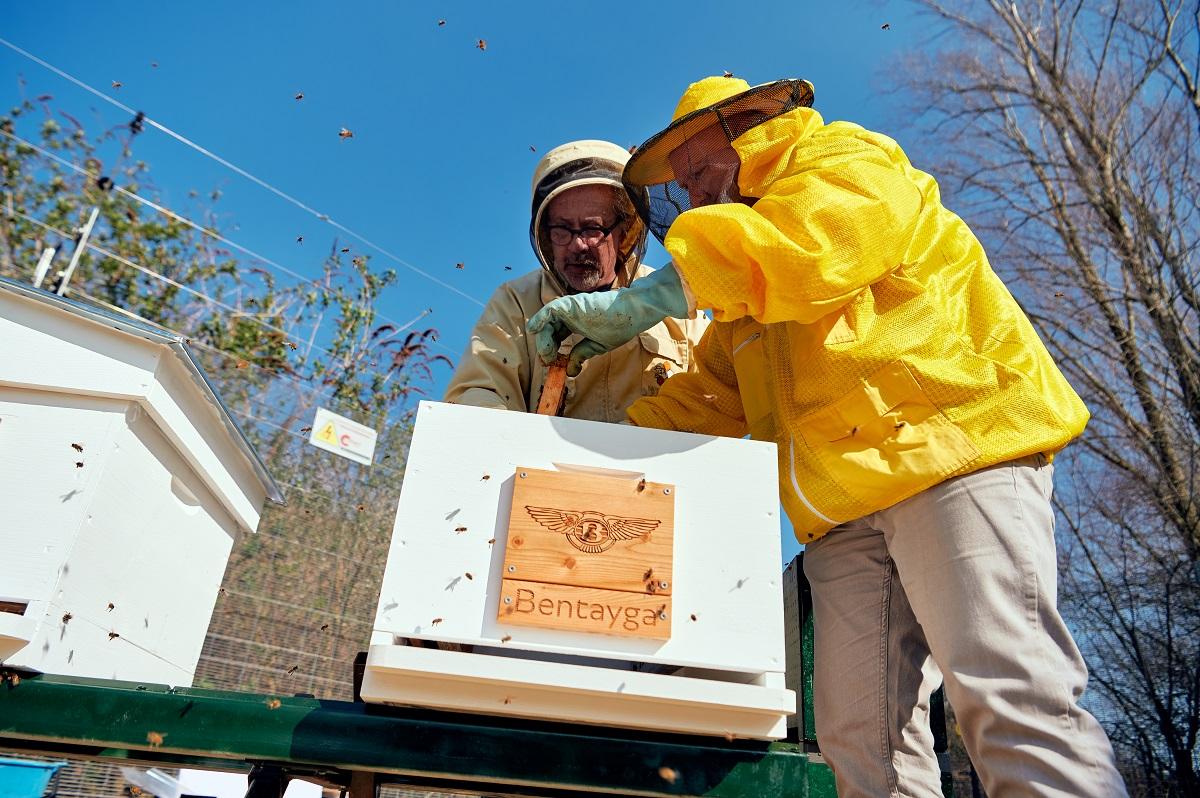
column 554, row 389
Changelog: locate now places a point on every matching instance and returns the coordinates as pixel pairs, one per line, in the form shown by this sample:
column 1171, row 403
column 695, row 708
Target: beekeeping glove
column 607, row 319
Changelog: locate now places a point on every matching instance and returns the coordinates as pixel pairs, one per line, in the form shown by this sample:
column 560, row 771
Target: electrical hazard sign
column 340, row 435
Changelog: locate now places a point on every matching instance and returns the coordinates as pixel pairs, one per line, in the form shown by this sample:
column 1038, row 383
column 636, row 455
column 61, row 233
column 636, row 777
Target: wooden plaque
column 584, row 609
column 590, row 547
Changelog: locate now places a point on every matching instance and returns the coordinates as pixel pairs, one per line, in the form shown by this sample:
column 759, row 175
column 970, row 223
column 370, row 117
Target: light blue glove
column 607, row 319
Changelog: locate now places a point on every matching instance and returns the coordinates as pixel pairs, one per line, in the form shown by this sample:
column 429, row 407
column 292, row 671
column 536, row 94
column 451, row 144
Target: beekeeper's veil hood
column 583, row 163
column 711, row 114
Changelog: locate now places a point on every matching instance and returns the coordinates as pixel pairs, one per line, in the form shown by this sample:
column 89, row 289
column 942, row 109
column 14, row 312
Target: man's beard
column 583, row 275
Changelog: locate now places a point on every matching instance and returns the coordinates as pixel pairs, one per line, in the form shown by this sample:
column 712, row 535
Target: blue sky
column 439, row 166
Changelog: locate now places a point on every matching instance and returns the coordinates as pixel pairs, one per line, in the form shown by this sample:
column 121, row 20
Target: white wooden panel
column 727, row 535
column 83, row 647
column 46, row 348
column 155, row 546
column 194, row 425
column 49, row 348
column 574, row 693
column 119, row 548
column 135, row 527
column 43, row 493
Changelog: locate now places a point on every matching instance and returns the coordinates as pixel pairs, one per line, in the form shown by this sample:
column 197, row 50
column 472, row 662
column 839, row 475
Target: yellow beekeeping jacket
column 501, row 368
column 858, row 325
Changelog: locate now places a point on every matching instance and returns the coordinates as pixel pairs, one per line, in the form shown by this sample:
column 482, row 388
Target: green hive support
column 357, row 746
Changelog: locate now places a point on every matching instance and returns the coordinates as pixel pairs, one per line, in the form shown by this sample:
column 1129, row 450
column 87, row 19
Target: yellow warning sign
column 328, row 434
column 343, row 436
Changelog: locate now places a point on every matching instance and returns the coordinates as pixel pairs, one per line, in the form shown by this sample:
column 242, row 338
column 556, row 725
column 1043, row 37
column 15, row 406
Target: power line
column 299, row 382
column 262, row 183
column 203, row 230
column 245, row 414
column 208, row 231
column 273, row 670
column 229, row 591
column 261, row 644
column 324, row 552
column 159, row 276
column 315, row 393
column 200, row 294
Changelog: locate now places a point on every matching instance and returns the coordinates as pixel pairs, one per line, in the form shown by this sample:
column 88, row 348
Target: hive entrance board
column 589, row 553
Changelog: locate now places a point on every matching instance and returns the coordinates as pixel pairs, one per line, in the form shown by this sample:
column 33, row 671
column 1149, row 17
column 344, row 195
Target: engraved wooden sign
column 589, row 552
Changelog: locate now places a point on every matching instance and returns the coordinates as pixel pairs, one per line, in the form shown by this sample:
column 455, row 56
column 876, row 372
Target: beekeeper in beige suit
column 588, row 238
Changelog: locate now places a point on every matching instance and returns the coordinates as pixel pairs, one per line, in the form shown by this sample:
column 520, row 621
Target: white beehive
column 123, row 482
column 721, row 669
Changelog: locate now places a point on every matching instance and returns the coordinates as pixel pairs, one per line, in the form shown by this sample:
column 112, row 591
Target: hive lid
column 162, row 336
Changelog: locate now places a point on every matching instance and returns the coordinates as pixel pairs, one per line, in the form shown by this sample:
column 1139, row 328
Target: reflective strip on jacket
column 501, row 369
column 858, row 325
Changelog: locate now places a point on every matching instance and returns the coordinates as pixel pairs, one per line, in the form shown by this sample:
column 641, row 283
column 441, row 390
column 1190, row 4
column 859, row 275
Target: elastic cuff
column 687, row 292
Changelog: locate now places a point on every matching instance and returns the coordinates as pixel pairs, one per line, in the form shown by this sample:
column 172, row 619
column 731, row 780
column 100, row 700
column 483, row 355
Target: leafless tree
column 1068, row 135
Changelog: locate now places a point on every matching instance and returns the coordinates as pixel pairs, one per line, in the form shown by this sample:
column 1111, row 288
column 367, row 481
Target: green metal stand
column 357, row 746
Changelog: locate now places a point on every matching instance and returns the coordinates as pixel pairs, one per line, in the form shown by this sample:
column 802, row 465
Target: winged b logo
column 591, row 531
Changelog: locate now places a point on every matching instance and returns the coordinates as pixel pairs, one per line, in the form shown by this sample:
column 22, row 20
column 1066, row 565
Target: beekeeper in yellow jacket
column 860, row 327
column 588, row 238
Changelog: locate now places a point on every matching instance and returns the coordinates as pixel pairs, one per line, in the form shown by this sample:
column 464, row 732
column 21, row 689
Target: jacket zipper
column 745, row 343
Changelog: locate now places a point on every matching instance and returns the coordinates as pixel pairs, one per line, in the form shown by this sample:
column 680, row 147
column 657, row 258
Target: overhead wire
column 273, row 670
column 324, row 552
column 237, row 169
column 207, row 231
column 322, row 217
column 181, row 286
column 199, row 294
column 247, row 415
column 79, row 292
column 317, row 400
column 315, row 393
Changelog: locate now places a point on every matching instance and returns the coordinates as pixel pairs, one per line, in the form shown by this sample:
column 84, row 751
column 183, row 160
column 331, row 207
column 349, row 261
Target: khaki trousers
column 959, row 581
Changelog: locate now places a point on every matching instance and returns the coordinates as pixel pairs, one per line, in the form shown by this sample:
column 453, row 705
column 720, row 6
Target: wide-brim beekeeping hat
column 728, row 103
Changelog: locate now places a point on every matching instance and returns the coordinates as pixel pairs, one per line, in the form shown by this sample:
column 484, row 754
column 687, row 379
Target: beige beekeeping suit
column 501, row 369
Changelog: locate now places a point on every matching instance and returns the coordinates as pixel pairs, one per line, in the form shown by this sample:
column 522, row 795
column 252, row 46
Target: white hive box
column 719, row 667
column 123, row 482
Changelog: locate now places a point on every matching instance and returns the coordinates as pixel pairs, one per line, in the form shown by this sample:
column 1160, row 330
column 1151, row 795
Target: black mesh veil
column 690, row 164
column 584, row 171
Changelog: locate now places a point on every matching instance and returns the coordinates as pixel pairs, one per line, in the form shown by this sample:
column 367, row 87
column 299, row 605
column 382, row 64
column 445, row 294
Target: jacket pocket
column 750, row 366
column 885, row 440
column 662, row 356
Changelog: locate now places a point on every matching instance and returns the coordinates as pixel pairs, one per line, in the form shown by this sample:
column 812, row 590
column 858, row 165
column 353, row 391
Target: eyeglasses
column 562, row 235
